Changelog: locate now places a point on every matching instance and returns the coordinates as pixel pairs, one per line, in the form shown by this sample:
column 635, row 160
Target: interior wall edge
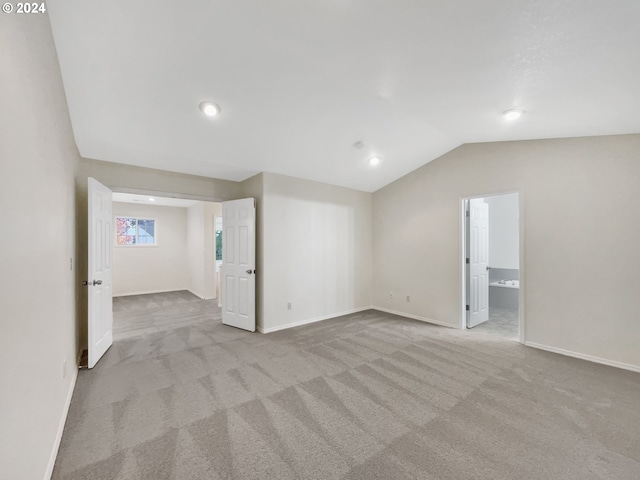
column 200, row 296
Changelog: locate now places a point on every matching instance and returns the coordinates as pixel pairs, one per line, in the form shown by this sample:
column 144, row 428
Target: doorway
column 492, row 265
column 104, row 231
column 163, row 263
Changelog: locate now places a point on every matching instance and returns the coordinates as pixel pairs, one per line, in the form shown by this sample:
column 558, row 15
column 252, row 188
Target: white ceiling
column 300, row 81
column 157, row 201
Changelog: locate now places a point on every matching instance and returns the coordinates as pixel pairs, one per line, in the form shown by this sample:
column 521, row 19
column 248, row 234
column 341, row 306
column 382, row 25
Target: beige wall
column 195, row 248
column 580, row 239
column 317, row 250
column 122, row 177
column 201, row 249
column 38, row 157
column 158, row 268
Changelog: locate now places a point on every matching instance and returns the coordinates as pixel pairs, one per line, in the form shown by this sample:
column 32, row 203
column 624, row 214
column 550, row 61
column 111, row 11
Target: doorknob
column 488, row 268
column 251, row 271
column 97, row 282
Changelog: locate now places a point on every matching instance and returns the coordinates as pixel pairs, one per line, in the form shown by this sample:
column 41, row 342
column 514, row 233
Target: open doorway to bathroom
column 492, row 265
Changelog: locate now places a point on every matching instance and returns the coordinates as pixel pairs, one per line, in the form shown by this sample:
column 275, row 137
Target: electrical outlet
column 390, row 294
column 408, row 298
column 289, row 306
column 64, row 369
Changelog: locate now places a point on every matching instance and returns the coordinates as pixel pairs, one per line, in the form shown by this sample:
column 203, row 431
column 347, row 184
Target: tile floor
column 502, row 322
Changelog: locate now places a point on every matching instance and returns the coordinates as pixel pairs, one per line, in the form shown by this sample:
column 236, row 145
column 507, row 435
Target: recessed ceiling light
column 210, row 109
column 151, row 199
column 374, row 161
column 511, row 115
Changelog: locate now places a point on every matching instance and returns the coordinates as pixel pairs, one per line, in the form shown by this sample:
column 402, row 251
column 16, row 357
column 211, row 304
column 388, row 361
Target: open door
column 478, row 262
column 238, row 279
column 100, row 335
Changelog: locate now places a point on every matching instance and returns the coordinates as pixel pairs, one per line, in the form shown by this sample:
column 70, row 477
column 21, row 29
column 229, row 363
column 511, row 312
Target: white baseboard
column 63, row 419
column 152, row 291
column 582, row 356
column 196, row 294
column 311, row 320
column 415, row 317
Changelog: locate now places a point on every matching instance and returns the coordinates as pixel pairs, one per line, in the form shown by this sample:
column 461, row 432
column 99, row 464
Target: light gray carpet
column 366, row 396
column 136, row 315
column 502, row 322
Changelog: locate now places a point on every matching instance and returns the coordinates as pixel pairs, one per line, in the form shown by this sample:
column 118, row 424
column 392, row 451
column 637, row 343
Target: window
column 218, row 230
column 218, row 244
column 135, row 231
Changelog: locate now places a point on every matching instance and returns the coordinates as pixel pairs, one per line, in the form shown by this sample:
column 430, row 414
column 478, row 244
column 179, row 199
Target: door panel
column 478, row 272
column 100, row 318
column 238, row 265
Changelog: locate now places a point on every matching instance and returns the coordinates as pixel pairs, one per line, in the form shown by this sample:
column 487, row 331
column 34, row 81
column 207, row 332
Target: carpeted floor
column 136, row 315
column 366, row 396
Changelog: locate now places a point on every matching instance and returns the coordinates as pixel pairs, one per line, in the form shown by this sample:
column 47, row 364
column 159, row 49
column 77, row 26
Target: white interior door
column 100, row 319
column 238, row 280
column 478, row 255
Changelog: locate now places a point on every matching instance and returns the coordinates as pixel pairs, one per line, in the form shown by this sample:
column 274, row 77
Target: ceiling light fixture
column 210, row 109
column 373, row 161
column 151, row 199
column 511, row 115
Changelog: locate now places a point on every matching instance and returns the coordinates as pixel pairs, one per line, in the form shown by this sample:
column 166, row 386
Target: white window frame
column 135, row 245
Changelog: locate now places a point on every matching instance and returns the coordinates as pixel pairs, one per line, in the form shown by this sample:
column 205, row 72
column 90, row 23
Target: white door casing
column 238, row 264
column 478, row 255
column 100, row 318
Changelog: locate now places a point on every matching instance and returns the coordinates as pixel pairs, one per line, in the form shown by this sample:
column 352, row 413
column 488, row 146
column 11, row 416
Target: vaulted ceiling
column 300, row 82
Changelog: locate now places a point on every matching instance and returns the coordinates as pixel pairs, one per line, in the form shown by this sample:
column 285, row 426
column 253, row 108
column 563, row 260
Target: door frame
column 521, row 264
column 161, row 193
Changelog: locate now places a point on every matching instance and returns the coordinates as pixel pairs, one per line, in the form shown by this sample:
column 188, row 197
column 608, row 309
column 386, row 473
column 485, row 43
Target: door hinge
column 466, row 213
column 467, row 308
column 467, row 260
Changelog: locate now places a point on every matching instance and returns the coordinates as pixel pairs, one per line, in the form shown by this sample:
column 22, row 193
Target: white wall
column 580, row 242
column 317, row 250
column 201, row 248
column 38, row 157
column 151, row 269
column 503, row 231
column 195, row 248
